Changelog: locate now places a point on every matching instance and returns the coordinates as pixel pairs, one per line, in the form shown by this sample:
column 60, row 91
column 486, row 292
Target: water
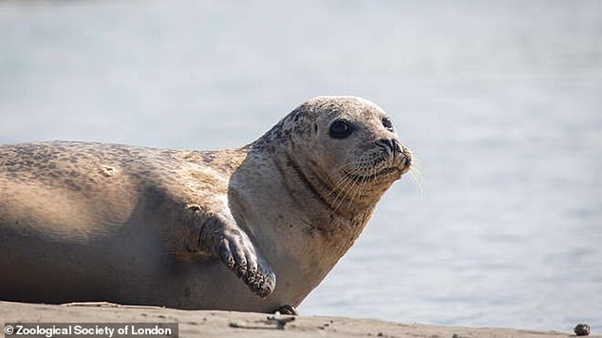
column 500, row 101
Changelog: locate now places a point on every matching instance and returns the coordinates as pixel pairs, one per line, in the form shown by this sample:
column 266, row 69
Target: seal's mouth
column 404, row 167
column 368, row 178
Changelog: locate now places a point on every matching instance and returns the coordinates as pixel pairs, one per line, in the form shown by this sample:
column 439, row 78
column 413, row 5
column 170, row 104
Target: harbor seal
column 249, row 229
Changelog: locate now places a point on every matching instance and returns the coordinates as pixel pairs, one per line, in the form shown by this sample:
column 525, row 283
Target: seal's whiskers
column 358, row 192
column 361, row 185
column 345, row 183
column 416, row 173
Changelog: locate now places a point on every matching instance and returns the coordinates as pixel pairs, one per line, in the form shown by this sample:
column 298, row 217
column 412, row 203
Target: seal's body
column 188, row 229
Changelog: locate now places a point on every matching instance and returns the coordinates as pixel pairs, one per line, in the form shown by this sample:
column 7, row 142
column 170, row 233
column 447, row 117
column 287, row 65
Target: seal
column 249, row 229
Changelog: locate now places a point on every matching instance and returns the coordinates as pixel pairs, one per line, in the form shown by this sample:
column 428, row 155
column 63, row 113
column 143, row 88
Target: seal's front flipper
column 238, row 253
column 287, row 310
column 220, row 235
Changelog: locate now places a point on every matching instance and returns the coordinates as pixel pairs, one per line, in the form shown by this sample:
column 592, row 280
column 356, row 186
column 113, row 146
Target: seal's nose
column 407, row 157
column 391, row 146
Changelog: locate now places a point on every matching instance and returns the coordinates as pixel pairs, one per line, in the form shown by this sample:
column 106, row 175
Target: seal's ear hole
column 340, row 129
column 315, row 128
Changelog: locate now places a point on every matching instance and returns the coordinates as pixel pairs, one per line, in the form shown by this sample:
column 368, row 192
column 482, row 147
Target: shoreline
column 244, row 324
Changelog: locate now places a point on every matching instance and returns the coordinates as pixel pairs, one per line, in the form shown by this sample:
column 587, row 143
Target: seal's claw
column 242, row 267
column 240, row 259
column 226, row 255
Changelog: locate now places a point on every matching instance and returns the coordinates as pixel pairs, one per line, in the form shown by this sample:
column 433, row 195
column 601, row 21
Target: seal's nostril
column 397, row 148
column 389, row 145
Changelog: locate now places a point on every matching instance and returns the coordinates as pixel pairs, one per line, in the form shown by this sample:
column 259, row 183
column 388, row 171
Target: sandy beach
column 240, row 324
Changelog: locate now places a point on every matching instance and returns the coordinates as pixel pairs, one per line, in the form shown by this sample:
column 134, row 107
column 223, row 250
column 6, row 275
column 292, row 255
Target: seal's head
column 348, row 143
column 354, row 138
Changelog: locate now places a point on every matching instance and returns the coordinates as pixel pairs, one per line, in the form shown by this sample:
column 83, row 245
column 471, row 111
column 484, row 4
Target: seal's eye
column 340, row 129
column 387, row 123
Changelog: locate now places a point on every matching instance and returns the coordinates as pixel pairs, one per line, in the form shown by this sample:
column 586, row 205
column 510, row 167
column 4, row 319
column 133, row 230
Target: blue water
column 501, row 102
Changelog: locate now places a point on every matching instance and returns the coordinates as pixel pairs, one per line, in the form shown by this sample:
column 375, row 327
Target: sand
column 242, row 324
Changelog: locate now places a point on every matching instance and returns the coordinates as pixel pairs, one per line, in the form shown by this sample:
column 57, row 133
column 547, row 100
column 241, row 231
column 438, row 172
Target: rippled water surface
column 500, row 102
